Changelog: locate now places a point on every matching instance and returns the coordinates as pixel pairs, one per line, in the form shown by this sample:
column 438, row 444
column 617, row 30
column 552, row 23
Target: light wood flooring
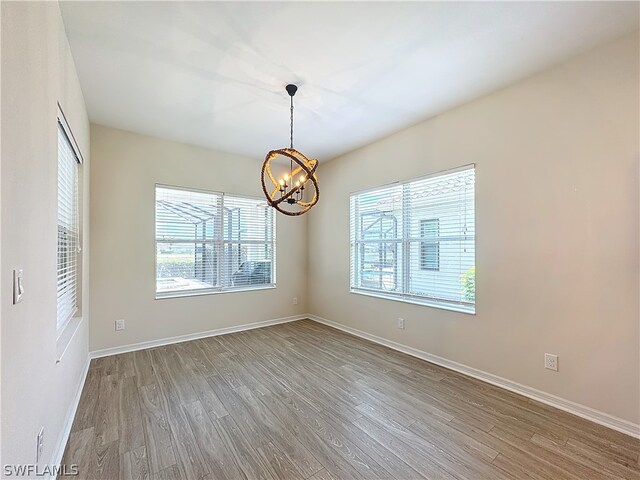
column 302, row 400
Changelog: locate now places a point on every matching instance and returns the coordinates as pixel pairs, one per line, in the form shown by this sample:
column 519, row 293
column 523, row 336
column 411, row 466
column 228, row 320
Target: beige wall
column 125, row 169
column 37, row 72
column 557, row 231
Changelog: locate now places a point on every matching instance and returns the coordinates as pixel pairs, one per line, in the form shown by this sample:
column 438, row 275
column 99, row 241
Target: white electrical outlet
column 119, row 324
column 295, row 300
column 39, row 444
column 551, row 361
column 401, row 323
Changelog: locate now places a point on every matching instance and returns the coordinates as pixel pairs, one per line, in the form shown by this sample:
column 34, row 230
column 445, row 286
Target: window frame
column 76, row 312
column 403, row 245
column 218, row 243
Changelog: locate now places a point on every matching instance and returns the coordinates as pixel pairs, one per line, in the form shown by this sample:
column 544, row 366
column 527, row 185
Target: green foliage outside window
column 468, row 280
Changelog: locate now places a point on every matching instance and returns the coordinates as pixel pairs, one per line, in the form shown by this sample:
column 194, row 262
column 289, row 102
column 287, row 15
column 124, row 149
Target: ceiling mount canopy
column 291, row 90
column 293, row 190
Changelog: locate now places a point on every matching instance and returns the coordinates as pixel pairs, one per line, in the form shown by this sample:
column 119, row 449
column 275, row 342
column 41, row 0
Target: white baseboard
column 192, row 336
column 596, row 416
column 68, row 422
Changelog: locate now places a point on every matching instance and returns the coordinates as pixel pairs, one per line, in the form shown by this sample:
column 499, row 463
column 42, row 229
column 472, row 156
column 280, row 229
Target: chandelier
column 293, row 190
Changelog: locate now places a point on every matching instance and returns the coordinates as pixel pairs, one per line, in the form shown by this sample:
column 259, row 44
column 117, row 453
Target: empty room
column 320, row 240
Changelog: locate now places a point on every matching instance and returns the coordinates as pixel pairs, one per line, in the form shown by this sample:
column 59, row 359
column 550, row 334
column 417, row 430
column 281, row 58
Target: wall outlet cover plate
column 551, row 361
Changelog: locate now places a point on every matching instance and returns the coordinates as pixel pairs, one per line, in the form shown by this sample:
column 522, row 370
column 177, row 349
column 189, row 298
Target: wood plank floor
column 302, row 400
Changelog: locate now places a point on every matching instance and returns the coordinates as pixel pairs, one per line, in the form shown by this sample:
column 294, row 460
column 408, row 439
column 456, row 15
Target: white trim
column 417, row 300
column 210, row 291
column 67, row 336
column 588, row 413
column 68, row 423
column 105, row 352
column 62, row 120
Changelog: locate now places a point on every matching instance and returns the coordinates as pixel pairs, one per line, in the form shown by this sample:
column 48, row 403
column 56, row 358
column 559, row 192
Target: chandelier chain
column 291, row 121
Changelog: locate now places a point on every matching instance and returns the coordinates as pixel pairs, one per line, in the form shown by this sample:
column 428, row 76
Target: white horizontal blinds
column 249, row 235
column 430, row 245
column 188, row 235
column 441, row 237
column 377, row 226
column 68, row 231
column 212, row 241
column 416, row 240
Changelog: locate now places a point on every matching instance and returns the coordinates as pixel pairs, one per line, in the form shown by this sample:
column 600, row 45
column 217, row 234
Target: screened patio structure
column 204, row 241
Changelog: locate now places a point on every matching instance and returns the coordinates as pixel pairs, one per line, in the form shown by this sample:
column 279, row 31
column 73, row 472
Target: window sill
column 415, row 301
column 66, row 336
column 196, row 293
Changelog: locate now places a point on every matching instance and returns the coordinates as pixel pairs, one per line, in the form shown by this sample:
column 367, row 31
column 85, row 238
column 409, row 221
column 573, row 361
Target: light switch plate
column 39, row 445
column 18, row 287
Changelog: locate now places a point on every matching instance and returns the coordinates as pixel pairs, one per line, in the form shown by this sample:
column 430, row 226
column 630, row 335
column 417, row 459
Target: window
column 209, row 242
column 415, row 241
column 68, row 271
column 430, row 246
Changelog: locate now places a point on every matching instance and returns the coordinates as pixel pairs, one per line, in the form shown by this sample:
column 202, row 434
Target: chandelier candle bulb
column 289, row 199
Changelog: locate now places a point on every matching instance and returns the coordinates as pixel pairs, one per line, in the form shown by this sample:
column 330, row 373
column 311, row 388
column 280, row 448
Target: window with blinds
column 415, row 241
column 68, row 271
column 209, row 242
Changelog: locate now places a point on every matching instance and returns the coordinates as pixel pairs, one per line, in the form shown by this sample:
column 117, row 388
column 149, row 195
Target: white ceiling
column 213, row 73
